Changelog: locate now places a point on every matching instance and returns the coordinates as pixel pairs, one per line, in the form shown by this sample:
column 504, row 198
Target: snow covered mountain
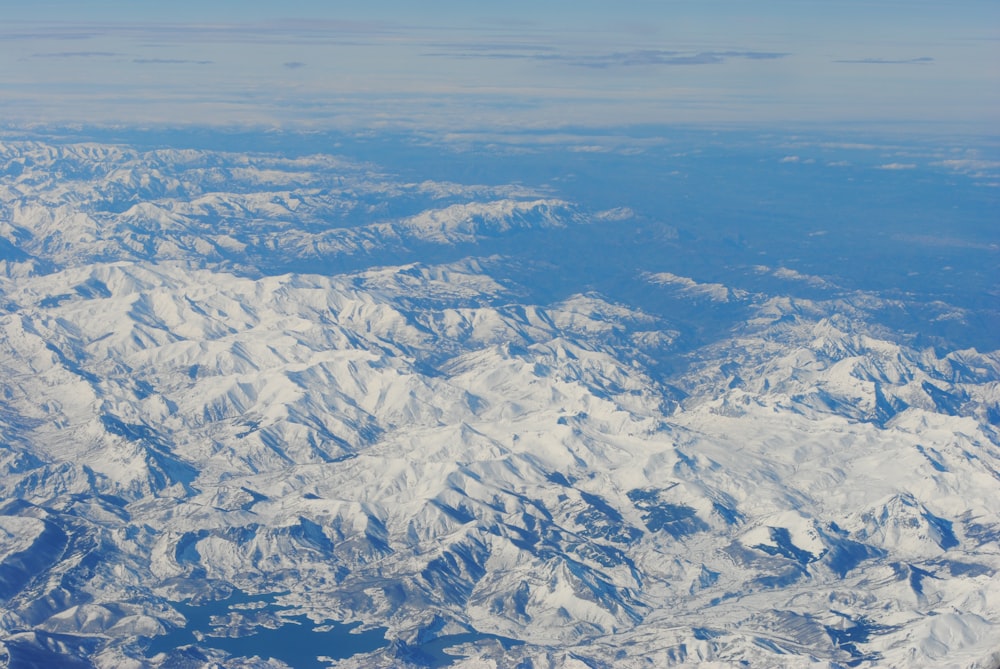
column 246, row 394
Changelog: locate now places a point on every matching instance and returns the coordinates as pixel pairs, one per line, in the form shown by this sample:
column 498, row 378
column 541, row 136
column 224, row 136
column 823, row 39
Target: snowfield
column 238, row 376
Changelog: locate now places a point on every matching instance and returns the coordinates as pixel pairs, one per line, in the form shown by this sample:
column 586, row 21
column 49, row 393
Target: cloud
column 657, row 57
column 512, row 46
column 46, row 33
column 287, row 31
column 853, row 146
column 897, row 166
column 76, row 54
column 170, row 61
column 546, row 76
column 639, row 57
column 966, row 164
column 922, row 60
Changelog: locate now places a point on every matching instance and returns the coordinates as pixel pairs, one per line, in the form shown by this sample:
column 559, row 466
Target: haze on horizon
column 451, row 65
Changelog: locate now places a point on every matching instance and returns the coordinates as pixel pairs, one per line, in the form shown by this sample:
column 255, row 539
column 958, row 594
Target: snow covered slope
column 300, row 392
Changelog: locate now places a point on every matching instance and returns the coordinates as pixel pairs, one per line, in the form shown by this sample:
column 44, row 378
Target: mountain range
column 419, row 422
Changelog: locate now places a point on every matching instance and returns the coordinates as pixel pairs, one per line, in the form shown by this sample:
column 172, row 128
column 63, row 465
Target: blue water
column 296, row 642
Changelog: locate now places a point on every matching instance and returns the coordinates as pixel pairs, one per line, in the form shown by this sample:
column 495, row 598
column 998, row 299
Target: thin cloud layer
column 291, row 32
column 170, row 61
column 77, row 54
column 467, row 67
column 638, row 57
column 922, row 60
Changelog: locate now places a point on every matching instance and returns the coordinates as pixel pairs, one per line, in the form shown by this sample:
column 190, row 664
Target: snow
column 18, row 534
column 716, row 292
column 419, row 446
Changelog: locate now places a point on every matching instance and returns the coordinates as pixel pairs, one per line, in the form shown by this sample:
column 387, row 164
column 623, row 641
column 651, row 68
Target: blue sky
column 471, row 65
